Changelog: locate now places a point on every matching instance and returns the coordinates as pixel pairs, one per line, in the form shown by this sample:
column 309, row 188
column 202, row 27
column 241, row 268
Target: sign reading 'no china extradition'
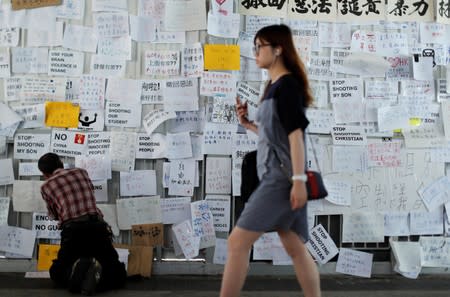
column 68, row 143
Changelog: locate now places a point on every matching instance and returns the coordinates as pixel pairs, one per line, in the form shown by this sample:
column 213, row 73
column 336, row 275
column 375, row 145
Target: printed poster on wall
column 350, row 11
column 152, row 146
column 99, row 143
column 65, row 63
column 123, row 114
column 325, row 10
column 91, row 120
column 68, row 143
column 219, row 205
column 410, row 10
column 443, row 12
column 45, row 227
column 264, row 7
column 31, row 146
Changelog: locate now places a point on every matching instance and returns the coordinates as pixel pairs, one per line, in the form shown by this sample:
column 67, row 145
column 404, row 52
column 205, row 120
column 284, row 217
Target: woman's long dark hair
column 281, row 35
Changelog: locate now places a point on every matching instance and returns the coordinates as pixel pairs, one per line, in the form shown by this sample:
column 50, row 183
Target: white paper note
column 98, row 167
column 202, row 223
column 426, row 223
column 435, row 251
column 134, row 211
column 6, row 172
column 182, row 175
column 220, row 251
column 4, row 210
column 27, row 196
column 186, row 239
column 80, row 38
column 138, row 183
column 363, row 227
column 396, row 223
column 218, row 175
column 185, row 15
column 123, row 150
column 354, row 263
column 175, row 210
column 110, row 216
column 17, row 240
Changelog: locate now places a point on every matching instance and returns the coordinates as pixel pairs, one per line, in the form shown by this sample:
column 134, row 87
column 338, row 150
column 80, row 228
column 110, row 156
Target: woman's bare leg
column 305, row 268
column 240, row 242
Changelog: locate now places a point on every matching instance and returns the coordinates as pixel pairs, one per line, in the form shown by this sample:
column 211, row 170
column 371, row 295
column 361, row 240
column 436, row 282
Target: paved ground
column 14, row 285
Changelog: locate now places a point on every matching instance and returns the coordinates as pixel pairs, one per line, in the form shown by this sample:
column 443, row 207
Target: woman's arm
column 297, row 149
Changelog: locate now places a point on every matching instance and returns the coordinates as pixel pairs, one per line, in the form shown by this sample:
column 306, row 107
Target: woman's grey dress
column 269, row 207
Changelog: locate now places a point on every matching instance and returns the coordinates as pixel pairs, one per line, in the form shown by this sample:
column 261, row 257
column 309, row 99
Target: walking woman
column 277, row 204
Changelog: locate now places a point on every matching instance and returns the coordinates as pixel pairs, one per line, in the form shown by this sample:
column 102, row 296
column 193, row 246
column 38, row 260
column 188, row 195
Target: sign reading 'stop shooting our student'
column 123, row 114
column 68, row 143
column 31, row 146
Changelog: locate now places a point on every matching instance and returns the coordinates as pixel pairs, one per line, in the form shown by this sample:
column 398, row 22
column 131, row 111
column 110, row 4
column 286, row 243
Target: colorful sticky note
column 222, row 57
column 415, row 121
column 47, row 253
column 26, row 4
column 61, row 114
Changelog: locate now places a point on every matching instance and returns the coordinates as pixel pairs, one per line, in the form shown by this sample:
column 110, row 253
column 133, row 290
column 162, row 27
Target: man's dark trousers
column 87, row 239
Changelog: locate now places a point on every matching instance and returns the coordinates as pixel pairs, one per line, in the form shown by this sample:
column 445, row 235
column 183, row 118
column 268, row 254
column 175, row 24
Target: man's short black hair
column 49, row 162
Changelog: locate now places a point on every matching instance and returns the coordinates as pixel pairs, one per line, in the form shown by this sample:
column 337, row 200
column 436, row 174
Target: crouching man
column 87, row 261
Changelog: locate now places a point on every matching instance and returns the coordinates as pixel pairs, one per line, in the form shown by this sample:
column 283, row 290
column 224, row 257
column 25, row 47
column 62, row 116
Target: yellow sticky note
column 47, row 253
column 222, row 57
column 61, row 114
column 415, row 121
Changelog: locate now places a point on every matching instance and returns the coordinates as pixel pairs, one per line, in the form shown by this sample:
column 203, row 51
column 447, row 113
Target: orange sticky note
column 61, row 114
column 222, row 57
column 47, row 253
